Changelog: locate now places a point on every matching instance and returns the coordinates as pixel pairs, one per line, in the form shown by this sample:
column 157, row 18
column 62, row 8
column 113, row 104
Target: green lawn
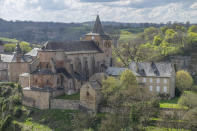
column 46, row 120
column 70, row 97
column 126, row 36
column 152, row 128
column 8, row 40
column 173, row 103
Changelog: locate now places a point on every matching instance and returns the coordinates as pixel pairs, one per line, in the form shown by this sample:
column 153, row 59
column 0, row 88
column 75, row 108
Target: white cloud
column 194, row 5
column 77, row 11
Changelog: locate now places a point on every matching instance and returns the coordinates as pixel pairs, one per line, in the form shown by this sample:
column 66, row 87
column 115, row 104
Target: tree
column 129, row 102
column 128, row 79
column 157, row 40
column 150, row 33
column 193, row 28
column 184, row 80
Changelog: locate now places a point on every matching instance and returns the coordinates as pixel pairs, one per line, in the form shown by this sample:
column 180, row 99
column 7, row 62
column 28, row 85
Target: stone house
column 157, row 78
column 90, row 92
column 12, row 65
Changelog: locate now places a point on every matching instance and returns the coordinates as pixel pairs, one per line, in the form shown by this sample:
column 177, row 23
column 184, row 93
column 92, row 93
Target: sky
column 155, row 11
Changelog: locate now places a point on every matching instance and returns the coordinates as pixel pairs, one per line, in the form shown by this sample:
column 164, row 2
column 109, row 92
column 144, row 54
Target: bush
column 16, row 100
column 6, row 123
column 17, row 112
column 188, row 99
column 177, row 92
column 184, row 80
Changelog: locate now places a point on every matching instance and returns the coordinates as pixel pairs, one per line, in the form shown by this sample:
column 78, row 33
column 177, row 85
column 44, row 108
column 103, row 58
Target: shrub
column 6, row 123
column 155, row 103
column 16, row 100
column 17, row 112
column 177, row 92
column 188, row 99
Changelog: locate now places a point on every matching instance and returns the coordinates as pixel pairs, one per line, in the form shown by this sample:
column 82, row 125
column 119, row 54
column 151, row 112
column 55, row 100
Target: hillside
column 15, row 117
column 37, row 32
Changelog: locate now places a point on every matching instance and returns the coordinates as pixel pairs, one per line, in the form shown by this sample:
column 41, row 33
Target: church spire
column 98, row 27
column 18, row 49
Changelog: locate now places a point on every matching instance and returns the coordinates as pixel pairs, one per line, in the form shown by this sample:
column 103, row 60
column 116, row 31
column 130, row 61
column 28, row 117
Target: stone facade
column 36, row 98
column 158, row 85
column 156, row 78
column 64, row 104
column 17, row 68
column 90, row 93
column 12, row 65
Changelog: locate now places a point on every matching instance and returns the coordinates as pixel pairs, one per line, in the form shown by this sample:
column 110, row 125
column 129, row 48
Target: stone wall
column 64, row 104
column 15, row 69
column 3, row 75
column 35, row 98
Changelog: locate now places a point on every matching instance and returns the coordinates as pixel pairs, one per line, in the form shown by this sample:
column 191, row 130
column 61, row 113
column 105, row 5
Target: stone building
column 63, row 67
column 12, row 65
column 158, row 78
column 90, row 93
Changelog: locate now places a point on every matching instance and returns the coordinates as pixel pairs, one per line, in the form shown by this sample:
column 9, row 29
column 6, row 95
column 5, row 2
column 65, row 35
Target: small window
column 165, row 81
column 151, row 88
column 144, row 80
column 47, row 81
column 165, row 89
column 158, row 80
column 47, row 66
column 158, row 88
column 87, row 93
column 36, row 80
column 151, row 80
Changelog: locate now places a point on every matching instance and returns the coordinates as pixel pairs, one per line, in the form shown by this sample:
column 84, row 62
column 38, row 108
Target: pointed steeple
column 18, row 49
column 98, row 27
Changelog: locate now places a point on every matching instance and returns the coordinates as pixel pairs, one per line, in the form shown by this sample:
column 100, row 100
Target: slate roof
column 98, row 29
column 73, row 46
column 115, row 71
column 43, row 72
column 6, row 57
column 64, row 71
column 23, row 58
column 95, row 85
column 79, row 77
column 159, row 69
column 33, row 52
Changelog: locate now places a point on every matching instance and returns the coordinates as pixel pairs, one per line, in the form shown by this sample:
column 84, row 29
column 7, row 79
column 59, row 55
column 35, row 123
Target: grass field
column 152, row 128
column 46, row 120
column 70, row 97
column 126, row 36
column 8, row 40
column 173, row 103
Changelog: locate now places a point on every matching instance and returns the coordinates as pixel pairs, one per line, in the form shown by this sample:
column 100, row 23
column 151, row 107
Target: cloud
column 98, row 0
column 194, row 6
column 109, row 10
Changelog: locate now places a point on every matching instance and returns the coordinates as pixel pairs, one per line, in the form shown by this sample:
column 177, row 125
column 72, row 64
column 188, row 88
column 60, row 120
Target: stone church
column 63, row 67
